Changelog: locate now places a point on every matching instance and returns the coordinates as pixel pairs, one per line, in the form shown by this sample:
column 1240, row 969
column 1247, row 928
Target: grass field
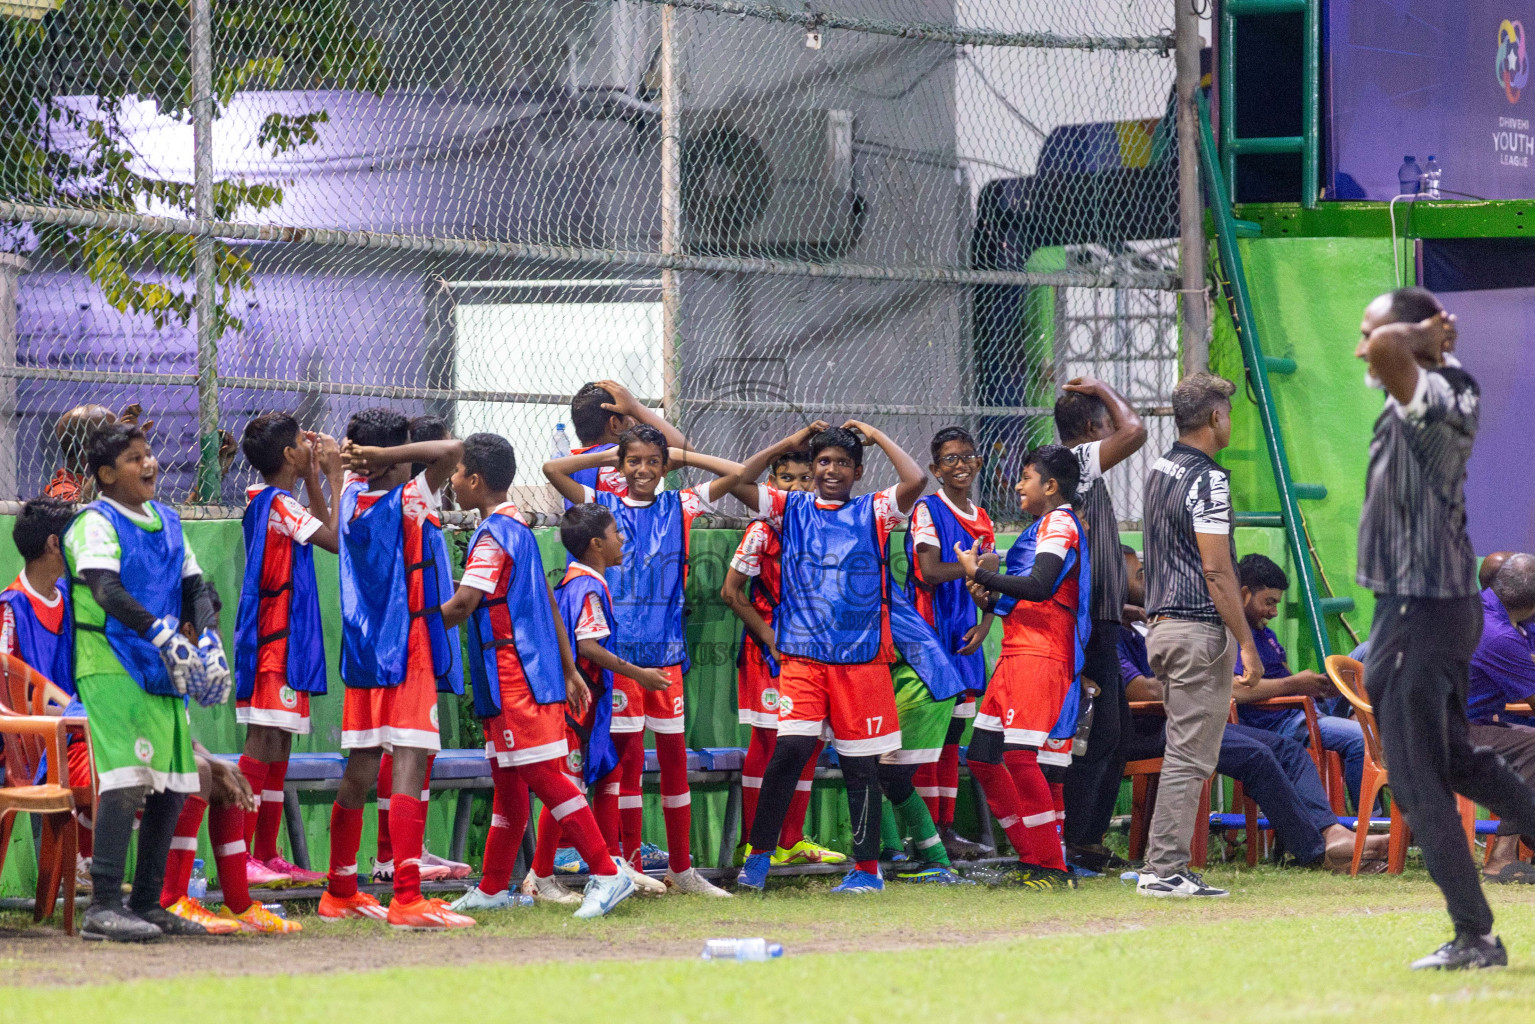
column 1287, row 945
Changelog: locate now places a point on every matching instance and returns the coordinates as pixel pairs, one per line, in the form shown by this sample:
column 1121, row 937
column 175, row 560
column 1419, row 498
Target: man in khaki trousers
column 1194, row 608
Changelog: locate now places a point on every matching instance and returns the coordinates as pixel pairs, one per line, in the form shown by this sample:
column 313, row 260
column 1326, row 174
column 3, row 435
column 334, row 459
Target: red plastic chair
column 1144, row 776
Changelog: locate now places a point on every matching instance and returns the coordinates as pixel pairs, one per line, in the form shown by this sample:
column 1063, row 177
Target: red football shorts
column 275, row 704
column 395, row 716
column 858, row 701
column 1023, row 701
column 756, row 689
column 636, row 709
column 525, row 732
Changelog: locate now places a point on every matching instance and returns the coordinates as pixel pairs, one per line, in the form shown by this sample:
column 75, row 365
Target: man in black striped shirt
column 1415, row 554
column 1194, row 607
column 1102, row 430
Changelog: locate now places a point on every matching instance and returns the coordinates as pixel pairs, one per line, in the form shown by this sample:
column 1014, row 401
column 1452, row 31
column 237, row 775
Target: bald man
column 1490, row 566
column 1415, row 554
column 72, row 430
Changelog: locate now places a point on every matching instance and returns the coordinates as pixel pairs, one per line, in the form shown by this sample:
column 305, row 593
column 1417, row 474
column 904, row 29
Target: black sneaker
column 1184, row 885
column 170, row 924
column 116, row 924
column 960, row 848
column 1097, row 858
column 1465, row 952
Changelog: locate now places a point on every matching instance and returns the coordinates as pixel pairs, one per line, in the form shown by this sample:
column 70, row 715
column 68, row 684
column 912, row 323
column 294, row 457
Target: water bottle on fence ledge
column 743, row 950
column 559, row 447
column 1433, row 174
column 1409, row 177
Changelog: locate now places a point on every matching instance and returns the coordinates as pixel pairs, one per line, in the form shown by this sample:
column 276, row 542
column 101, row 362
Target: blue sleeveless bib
column 588, row 477
column 570, row 596
column 533, row 630
column 648, row 587
column 437, row 587
column 833, row 582
column 305, row 633
column 49, row 653
column 954, row 613
column 150, row 567
column 375, row 610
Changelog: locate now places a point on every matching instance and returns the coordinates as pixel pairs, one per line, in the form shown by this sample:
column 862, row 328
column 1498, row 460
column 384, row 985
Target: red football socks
column 178, row 863
column 407, row 830
column 631, row 800
column 759, row 750
column 269, row 816
column 605, row 807
column 947, row 778
column 345, row 837
column 255, row 773
column 676, row 798
column 1038, row 808
column 565, row 803
column 508, row 821
column 226, row 830
column 548, row 843
column 925, row 780
column 385, row 796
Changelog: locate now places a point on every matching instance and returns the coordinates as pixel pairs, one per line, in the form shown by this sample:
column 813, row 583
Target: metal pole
column 205, row 266
column 1191, row 208
column 671, row 208
column 1311, row 146
column 11, row 269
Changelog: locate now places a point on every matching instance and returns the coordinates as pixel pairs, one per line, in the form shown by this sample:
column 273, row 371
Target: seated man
column 1503, row 672
column 1273, row 770
column 1263, row 586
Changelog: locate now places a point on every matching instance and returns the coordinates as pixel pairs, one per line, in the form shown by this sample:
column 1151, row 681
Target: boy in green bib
column 133, row 581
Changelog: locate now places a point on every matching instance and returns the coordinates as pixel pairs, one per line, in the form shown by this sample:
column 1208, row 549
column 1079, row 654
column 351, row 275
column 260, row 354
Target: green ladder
column 1227, row 230
column 1307, row 143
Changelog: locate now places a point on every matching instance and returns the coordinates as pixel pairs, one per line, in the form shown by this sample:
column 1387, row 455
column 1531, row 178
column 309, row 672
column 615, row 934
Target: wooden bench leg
column 297, row 838
column 463, row 813
column 730, row 828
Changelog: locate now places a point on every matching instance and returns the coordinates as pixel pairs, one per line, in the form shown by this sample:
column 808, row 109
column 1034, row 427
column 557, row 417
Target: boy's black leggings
column 115, row 812
column 859, row 774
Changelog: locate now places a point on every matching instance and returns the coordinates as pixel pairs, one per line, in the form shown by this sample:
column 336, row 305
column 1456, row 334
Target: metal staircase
column 1308, row 142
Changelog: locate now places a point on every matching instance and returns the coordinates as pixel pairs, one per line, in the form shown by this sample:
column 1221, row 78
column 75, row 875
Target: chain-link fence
column 917, row 212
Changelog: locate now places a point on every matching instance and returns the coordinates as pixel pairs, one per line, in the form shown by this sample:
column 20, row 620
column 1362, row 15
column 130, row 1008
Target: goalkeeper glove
column 215, row 669
column 183, row 663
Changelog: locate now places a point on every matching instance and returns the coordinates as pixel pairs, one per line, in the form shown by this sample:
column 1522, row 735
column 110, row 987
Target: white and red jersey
column 1049, row 627
column 758, row 557
column 609, row 479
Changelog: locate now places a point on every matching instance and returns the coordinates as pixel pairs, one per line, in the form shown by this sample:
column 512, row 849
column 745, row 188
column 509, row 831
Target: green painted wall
column 1308, row 295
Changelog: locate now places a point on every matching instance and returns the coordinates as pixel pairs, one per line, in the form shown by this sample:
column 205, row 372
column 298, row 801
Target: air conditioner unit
column 774, row 183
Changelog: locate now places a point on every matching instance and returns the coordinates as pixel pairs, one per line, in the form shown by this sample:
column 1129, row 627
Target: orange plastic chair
column 1259, row 843
column 1144, row 776
column 1348, row 676
column 28, row 739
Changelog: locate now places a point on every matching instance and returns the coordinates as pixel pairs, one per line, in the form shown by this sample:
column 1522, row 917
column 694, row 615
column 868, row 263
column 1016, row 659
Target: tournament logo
column 289, row 697
column 620, row 700
column 785, row 706
column 1513, row 67
column 575, row 761
column 433, row 716
column 143, row 749
column 770, row 699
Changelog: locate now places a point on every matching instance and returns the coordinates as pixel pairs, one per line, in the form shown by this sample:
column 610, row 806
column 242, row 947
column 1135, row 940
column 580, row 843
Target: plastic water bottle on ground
column 1409, row 177
column 743, row 950
column 560, row 446
column 1432, row 175
column 1129, row 877
column 197, row 886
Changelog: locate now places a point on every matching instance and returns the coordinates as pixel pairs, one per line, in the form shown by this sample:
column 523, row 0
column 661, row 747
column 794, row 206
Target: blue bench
column 465, row 770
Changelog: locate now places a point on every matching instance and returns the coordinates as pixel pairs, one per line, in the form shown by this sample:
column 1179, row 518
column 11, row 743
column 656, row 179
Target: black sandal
column 1518, row 871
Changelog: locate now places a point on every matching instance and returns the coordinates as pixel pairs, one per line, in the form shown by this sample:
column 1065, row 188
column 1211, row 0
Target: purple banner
column 1495, row 347
column 1430, row 78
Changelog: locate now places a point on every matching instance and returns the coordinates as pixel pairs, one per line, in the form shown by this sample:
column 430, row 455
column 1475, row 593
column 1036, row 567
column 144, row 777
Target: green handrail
column 1257, row 371
column 1308, row 143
